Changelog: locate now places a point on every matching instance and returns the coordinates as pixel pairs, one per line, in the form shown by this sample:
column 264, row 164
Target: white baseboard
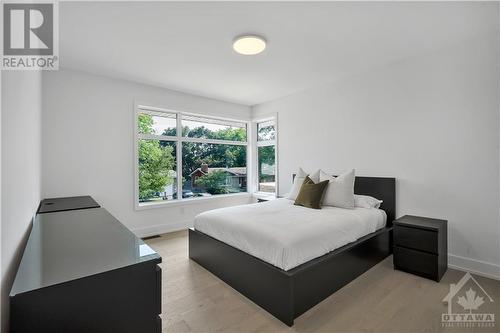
column 162, row 228
column 481, row 268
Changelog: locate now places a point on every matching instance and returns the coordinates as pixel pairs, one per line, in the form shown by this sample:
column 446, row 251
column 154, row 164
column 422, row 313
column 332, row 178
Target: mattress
column 285, row 235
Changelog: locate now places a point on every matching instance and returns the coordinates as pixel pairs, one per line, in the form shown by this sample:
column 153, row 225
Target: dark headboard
column 380, row 188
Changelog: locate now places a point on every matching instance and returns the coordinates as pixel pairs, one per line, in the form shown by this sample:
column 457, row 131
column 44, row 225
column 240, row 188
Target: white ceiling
column 187, row 46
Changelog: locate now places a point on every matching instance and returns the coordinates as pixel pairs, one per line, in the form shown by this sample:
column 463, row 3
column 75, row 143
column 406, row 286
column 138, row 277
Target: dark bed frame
column 288, row 294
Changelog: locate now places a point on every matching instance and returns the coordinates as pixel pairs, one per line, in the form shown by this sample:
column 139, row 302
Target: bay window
column 183, row 156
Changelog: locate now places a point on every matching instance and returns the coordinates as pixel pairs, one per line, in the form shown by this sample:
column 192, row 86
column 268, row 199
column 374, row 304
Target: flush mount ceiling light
column 249, row 44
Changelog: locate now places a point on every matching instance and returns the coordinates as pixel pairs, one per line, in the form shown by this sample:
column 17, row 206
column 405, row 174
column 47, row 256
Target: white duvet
column 286, row 235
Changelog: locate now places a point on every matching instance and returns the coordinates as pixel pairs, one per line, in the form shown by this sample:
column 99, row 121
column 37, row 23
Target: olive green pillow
column 311, row 194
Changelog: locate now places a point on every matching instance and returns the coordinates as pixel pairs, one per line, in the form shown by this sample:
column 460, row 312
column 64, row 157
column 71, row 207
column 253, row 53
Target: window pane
column 158, row 123
column 212, row 169
column 266, row 131
column 267, row 169
column 207, row 128
column 157, row 171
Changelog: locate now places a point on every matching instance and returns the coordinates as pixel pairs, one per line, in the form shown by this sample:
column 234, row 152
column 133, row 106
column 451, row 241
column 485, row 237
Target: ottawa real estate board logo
column 469, row 305
column 30, row 35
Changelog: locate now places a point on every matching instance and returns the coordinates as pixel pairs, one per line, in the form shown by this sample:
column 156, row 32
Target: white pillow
column 340, row 190
column 298, row 180
column 365, row 201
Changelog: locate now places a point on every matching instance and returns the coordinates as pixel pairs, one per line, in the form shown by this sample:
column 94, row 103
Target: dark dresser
column 68, row 203
column 84, row 271
column 420, row 246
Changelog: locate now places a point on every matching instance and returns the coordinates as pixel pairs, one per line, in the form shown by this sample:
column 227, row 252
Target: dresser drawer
column 418, row 239
column 413, row 261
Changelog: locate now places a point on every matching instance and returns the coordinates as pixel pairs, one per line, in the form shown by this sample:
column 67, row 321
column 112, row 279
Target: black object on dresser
column 69, row 203
column 420, row 246
column 84, row 271
column 266, row 198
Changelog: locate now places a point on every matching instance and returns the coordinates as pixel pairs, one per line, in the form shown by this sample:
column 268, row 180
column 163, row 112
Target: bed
column 287, row 258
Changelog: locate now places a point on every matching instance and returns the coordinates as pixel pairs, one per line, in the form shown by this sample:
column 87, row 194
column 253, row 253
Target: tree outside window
column 209, row 165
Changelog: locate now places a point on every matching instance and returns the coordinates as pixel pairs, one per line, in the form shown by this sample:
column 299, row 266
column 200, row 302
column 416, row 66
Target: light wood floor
column 381, row 300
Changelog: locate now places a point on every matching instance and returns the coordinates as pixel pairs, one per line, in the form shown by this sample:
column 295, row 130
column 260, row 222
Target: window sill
column 191, row 201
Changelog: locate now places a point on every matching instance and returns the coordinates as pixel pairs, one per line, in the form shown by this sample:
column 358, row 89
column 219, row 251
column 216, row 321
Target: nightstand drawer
column 413, row 261
column 418, row 239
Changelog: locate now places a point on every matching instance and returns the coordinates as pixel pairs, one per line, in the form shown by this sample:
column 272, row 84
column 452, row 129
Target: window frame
column 255, row 150
column 180, row 139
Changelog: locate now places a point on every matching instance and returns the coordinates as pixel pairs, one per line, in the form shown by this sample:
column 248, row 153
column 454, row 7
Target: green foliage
column 214, row 182
column 156, row 158
column 197, row 132
column 145, row 124
column 171, row 131
column 194, row 154
column 155, row 165
column 155, row 162
column 215, row 155
column 231, row 134
column 267, row 133
column 266, row 156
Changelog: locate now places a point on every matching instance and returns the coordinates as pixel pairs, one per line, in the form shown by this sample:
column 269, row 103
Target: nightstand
column 420, row 246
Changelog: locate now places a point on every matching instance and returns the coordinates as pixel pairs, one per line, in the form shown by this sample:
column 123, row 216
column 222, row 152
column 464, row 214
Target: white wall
column 88, row 144
column 432, row 122
column 20, row 168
